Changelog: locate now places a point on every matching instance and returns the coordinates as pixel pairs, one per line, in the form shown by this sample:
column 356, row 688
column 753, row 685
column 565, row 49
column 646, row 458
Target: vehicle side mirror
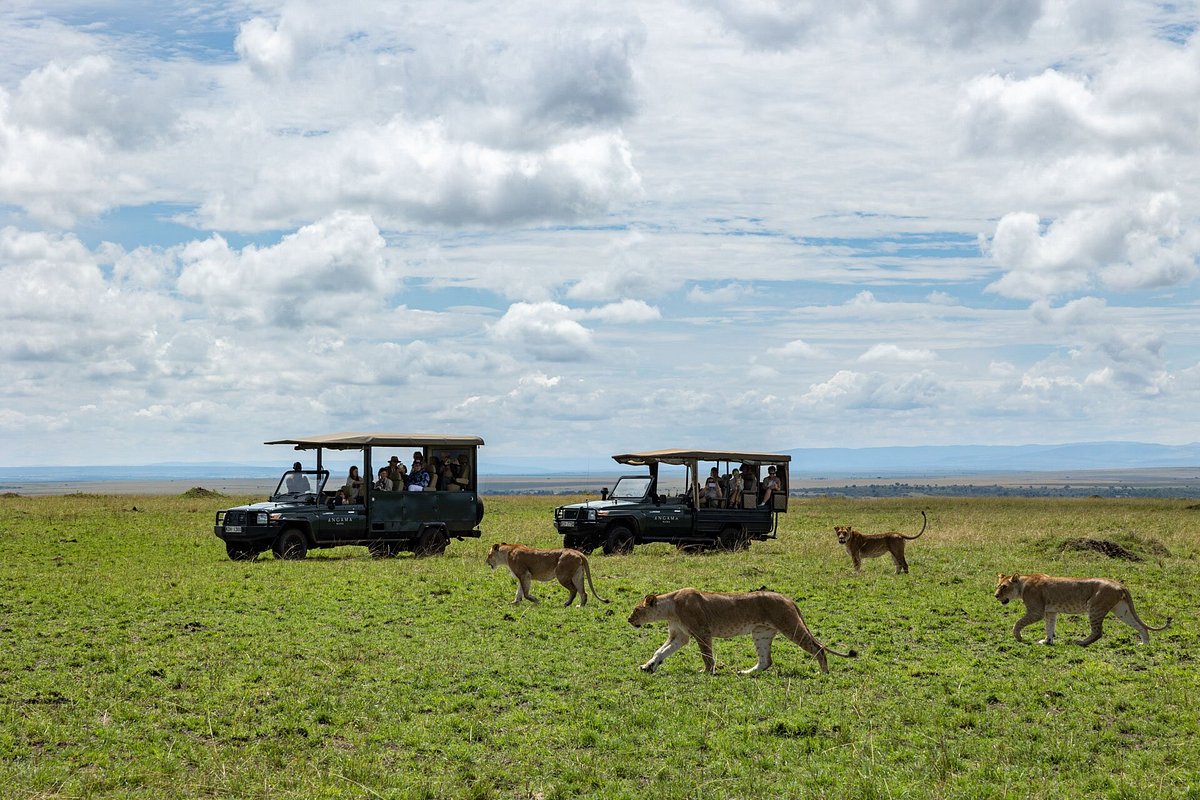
column 329, row 505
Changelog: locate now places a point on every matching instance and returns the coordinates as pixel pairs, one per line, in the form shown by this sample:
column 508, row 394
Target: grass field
column 136, row 661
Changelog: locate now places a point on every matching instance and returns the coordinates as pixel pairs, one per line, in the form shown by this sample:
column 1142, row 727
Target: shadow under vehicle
column 302, row 515
column 639, row 510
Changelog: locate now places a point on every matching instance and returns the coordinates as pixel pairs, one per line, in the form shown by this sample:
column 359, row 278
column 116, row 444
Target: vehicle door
column 340, row 524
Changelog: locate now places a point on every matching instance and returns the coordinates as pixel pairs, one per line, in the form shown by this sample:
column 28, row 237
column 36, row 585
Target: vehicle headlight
column 591, row 514
column 262, row 518
column 558, row 513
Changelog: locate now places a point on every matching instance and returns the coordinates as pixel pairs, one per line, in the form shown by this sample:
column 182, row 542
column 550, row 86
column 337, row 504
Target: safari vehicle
column 639, row 510
column 303, row 512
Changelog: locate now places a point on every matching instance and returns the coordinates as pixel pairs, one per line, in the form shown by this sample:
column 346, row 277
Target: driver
column 297, row 481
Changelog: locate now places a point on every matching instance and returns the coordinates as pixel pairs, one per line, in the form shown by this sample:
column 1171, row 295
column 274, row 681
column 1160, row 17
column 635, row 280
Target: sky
column 577, row 229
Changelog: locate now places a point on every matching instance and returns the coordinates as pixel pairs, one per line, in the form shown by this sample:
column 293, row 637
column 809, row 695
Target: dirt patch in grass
column 1130, row 548
column 197, row 492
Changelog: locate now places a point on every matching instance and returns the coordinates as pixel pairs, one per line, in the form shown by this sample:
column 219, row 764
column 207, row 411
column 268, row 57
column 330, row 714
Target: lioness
column 1048, row 596
column 702, row 615
column 863, row 545
column 531, row 563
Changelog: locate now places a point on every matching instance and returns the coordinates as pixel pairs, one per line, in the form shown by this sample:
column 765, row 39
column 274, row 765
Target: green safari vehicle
column 305, row 512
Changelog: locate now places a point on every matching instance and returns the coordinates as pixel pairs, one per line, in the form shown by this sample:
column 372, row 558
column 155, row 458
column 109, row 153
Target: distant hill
column 961, row 459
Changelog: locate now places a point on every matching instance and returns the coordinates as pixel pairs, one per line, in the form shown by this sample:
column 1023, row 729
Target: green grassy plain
column 136, row 661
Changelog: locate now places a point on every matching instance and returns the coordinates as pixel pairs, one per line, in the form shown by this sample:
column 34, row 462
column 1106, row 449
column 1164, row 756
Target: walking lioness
column 527, row 564
column 692, row 614
column 864, row 545
column 1048, row 596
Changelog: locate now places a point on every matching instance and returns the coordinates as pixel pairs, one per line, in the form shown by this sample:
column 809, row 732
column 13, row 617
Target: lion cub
column 862, row 545
column 570, row 567
column 692, row 614
column 1047, row 596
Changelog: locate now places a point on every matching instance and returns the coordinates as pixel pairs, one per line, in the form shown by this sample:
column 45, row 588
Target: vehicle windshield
column 294, row 485
column 630, row 488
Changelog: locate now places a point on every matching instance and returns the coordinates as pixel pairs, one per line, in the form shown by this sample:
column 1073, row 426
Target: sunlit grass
column 136, row 660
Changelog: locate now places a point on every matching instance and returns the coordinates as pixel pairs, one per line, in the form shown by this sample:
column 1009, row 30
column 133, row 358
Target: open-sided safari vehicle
column 306, row 512
column 696, row 516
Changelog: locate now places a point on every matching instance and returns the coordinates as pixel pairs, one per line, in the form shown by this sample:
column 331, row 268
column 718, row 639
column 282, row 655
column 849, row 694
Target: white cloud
column 267, row 48
column 1134, row 246
column 625, row 312
column 892, row 354
column 546, row 331
column 797, row 348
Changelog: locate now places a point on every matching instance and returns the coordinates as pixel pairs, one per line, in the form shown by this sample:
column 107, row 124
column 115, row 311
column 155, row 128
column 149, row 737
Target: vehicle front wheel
column 581, row 543
column 290, row 544
column 240, row 552
column 619, row 542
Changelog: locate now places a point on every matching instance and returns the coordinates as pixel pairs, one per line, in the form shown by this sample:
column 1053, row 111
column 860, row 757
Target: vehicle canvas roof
column 686, row 456
column 357, row 441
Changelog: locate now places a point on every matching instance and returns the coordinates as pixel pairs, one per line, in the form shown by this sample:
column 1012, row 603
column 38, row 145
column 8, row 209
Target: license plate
column 567, row 523
column 233, row 528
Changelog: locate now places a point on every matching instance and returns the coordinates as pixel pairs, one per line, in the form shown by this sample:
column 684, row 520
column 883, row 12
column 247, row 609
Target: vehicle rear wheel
column 290, row 544
column 433, row 542
column 240, row 552
column 733, row 539
column 619, row 542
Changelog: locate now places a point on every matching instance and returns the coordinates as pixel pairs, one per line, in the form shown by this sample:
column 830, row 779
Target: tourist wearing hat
column 397, row 474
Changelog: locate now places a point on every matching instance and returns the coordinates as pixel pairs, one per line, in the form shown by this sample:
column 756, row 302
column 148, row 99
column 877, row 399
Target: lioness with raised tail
column 692, row 614
column 528, row 564
column 873, row 545
column 1046, row 596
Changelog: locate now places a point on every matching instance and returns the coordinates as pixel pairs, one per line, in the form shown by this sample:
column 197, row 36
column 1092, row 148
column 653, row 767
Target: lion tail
column 924, row 522
column 587, row 573
column 851, row 653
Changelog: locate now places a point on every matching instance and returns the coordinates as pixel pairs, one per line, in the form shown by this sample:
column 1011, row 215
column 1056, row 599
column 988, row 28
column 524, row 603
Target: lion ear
column 651, row 599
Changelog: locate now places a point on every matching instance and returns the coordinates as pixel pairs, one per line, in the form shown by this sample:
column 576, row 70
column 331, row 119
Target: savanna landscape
column 137, row 661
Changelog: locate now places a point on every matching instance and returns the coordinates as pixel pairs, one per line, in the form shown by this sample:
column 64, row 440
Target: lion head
column 649, row 610
column 1008, row 587
column 843, row 532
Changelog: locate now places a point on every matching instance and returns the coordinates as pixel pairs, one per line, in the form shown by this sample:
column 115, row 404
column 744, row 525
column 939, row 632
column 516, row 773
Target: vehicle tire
column 240, row 552
column 290, row 544
column 619, row 542
column 732, row 539
column 580, row 543
column 433, row 542
column 478, row 509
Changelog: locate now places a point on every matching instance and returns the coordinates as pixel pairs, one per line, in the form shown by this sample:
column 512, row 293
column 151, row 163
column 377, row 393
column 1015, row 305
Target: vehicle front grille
column 235, row 517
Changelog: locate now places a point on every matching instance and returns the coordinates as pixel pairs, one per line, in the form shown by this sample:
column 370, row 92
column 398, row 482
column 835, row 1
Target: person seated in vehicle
column 713, row 495
column 749, row 483
column 297, row 481
column 353, row 486
column 397, row 474
column 339, row 499
column 447, row 479
column 770, row 485
column 462, row 474
column 418, row 476
column 383, row 483
column 733, row 483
